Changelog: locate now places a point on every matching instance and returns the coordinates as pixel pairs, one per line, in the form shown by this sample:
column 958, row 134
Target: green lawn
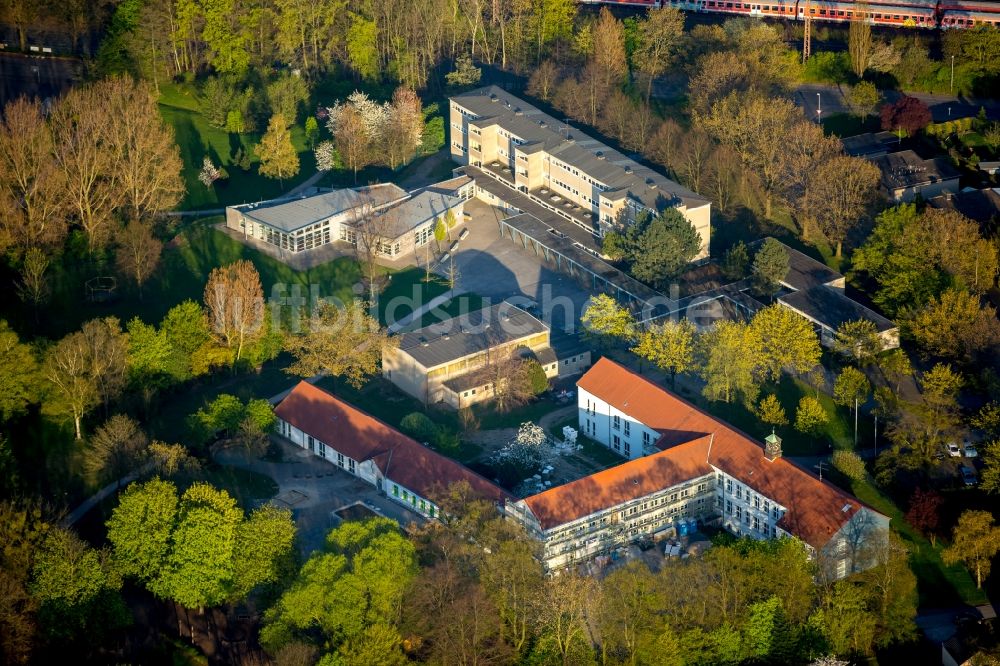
column 184, row 268
column 939, row 585
column 845, row 124
column 407, row 290
column 196, row 139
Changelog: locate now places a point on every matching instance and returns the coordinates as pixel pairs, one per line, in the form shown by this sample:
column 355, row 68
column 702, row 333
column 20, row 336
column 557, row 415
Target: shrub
column 418, row 426
column 849, row 464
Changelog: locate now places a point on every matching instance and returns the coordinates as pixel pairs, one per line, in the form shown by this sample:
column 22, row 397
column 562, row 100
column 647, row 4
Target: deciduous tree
column 607, row 322
column 235, row 302
column 925, row 512
column 344, row 342
column 907, row 114
column 138, row 253
column 975, row 541
column 788, row 341
column 769, row 410
column 730, row 354
column 954, row 325
column 858, row 340
column 851, row 389
column 842, row 189
column 863, row 98
column 118, row 447
column 810, row 416
column 278, row 158
column 18, row 373
column 660, row 35
column 669, row 346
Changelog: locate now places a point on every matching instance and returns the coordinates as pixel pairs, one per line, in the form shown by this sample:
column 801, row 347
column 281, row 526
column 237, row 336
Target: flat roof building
column 444, row 362
column 404, row 220
column 561, row 168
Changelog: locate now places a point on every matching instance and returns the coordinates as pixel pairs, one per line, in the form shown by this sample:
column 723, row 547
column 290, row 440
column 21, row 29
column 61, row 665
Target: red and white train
column 893, row 13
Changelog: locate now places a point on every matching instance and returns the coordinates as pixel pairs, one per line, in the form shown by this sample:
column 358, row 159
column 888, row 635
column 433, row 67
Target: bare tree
column 33, row 286
column 32, row 188
column 842, row 190
column 117, row 448
column 146, row 157
column 404, row 127
column 108, row 352
column 373, row 228
column 138, row 252
column 81, row 126
column 235, row 302
column 859, row 40
column 352, row 140
column 659, row 36
column 544, row 79
column 505, row 374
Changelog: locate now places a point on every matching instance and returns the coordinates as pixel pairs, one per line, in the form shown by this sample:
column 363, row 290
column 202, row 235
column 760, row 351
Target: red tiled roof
column 815, row 510
column 628, row 481
column 363, row 437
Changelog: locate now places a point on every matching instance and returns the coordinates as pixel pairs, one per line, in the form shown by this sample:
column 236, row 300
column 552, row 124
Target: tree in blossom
column 209, row 172
column 326, row 156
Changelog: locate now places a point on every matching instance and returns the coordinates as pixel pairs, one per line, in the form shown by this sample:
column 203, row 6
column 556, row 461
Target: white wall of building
column 613, row 428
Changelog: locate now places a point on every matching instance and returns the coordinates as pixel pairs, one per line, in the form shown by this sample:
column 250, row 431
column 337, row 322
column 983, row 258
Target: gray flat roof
column 906, row 169
column 833, row 308
column 468, row 334
column 983, row 206
column 294, row 214
column 494, row 105
column 418, row 209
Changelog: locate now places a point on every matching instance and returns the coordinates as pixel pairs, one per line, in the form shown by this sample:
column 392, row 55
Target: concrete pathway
column 416, row 314
column 98, row 497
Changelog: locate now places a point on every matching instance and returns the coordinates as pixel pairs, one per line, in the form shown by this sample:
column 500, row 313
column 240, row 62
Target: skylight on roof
column 847, row 507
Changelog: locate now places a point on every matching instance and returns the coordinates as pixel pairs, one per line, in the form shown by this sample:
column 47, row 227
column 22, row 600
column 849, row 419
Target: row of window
column 750, row 497
column 414, row 500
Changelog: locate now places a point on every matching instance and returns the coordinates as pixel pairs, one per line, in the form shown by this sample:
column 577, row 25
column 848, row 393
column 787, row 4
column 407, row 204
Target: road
column 831, row 101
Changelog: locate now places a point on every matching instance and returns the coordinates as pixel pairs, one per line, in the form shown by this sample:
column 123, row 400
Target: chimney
column 772, row 446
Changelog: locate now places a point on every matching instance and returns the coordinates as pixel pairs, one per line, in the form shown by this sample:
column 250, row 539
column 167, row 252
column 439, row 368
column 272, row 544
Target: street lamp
column 819, row 108
column 951, row 86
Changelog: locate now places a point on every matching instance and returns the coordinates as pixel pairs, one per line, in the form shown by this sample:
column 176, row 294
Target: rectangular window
column 628, row 429
column 756, row 501
column 340, row 459
column 645, row 438
column 739, row 512
column 617, row 443
column 350, row 465
column 616, row 422
column 774, row 513
column 628, row 449
column 729, row 507
column 739, row 492
column 395, row 490
column 729, row 485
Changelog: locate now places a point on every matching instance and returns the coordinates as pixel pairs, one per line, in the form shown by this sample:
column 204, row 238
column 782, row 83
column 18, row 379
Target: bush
column 536, row 377
column 849, row 464
column 419, row 426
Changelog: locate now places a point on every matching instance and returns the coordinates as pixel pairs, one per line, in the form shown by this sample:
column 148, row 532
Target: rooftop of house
column 983, row 206
column 293, row 214
column 422, row 207
column 468, row 334
column 869, row 143
column 364, row 437
column 818, row 293
column 907, row 169
column 538, row 130
column 692, row 443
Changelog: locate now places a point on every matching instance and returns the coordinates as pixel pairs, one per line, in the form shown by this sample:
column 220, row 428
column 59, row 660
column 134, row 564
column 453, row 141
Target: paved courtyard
column 496, row 268
column 314, row 489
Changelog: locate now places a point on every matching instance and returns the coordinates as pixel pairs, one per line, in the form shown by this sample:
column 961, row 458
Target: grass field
column 939, row 585
column 196, row 139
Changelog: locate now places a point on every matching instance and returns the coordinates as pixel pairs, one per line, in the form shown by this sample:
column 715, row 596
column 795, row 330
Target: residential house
column 905, row 175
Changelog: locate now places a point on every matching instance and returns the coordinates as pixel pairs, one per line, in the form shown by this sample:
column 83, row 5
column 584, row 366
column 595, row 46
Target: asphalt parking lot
column 496, row 268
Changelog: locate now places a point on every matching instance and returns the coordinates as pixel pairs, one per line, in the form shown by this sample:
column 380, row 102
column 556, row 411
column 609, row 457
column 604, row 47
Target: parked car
column 970, row 451
column 968, row 475
column 953, row 450
column 464, row 234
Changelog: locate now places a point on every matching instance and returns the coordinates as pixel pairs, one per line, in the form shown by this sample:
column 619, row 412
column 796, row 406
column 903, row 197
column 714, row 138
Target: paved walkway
column 98, row 497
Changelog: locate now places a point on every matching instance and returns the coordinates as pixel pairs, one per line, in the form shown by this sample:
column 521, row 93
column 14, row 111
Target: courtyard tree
column 18, row 374
column 787, row 341
column 345, row 342
column 508, row 377
column 729, row 356
column 975, row 540
column 661, row 246
column 810, row 416
column 843, row 188
column 858, row 340
column 851, row 389
column 278, row 158
column 769, row 410
column 607, row 322
column 235, row 302
column 770, row 266
column 736, row 262
column 138, row 253
column 669, row 346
